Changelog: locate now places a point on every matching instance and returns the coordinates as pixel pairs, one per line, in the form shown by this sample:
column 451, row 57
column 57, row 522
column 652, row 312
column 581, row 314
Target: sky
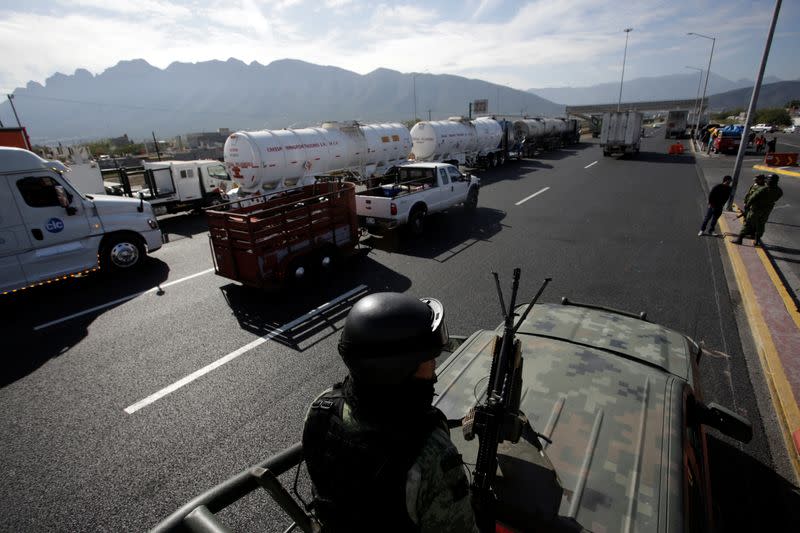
column 521, row 44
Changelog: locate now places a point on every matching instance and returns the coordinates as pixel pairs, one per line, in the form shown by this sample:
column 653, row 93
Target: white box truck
column 49, row 229
column 621, row 133
column 677, row 122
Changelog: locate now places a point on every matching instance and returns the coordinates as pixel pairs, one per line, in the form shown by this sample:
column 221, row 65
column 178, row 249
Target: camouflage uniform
column 759, row 207
column 437, row 491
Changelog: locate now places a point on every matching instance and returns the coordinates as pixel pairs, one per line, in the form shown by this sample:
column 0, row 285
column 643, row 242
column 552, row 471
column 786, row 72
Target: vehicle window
column 218, row 172
column 443, row 176
column 418, row 178
column 39, row 191
column 188, row 173
column 455, row 175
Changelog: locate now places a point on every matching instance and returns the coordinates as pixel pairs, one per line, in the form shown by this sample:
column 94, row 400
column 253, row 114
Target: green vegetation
column 793, row 103
column 104, row 147
column 722, row 116
column 773, row 115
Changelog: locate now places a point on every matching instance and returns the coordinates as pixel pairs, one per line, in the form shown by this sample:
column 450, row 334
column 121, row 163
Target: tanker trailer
column 269, row 161
column 529, row 133
column 458, row 141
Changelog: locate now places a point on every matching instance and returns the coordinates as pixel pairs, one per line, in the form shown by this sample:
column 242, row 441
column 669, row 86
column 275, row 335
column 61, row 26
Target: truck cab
column 50, row 230
column 174, row 186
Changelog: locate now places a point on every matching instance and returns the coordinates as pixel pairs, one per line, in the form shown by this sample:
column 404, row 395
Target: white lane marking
column 233, row 355
column 790, row 144
column 590, row 165
column 118, row 300
column 531, row 196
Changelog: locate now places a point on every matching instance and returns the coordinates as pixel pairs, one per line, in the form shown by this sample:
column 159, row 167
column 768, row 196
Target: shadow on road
column 294, row 316
column 446, row 234
column 183, row 226
column 747, row 495
column 29, row 342
column 656, row 157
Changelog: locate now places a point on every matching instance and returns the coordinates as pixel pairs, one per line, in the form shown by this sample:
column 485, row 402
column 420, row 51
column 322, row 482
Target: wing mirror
column 726, row 421
column 65, row 199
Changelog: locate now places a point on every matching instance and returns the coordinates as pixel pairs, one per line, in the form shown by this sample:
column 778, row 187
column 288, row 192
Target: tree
column 773, row 115
column 793, row 104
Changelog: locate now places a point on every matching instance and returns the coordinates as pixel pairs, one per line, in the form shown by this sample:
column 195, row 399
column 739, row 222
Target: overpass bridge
column 658, row 105
column 591, row 113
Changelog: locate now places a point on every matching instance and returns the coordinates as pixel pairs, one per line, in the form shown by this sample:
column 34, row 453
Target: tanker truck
column 534, row 135
column 481, row 142
column 268, row 161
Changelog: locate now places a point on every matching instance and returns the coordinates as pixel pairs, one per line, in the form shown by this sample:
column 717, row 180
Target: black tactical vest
column 359, row 474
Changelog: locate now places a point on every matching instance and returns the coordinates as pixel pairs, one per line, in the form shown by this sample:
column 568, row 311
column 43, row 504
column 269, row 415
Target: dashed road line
column 236, row 353
column 119, row 300
column 531, row 196
column 590, row 164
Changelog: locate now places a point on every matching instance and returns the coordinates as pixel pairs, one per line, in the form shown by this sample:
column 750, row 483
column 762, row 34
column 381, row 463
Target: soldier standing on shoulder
column 378, row 453
column 758, row 210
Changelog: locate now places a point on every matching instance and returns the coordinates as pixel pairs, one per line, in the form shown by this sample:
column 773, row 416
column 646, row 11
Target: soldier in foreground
column 758, row 209
column 379, row 455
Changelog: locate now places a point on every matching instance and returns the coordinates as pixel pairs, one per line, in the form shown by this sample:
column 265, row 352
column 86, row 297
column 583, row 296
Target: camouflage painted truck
column 606, row 413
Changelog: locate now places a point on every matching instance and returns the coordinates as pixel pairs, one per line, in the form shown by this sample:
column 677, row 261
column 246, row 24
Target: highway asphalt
column 114, row 417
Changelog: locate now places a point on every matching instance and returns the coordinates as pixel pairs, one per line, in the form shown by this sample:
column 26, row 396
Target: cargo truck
column 677, row 122
column 621, row 133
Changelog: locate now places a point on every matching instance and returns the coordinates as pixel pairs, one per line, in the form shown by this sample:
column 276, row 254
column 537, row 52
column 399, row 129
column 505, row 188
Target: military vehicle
column 619, row 439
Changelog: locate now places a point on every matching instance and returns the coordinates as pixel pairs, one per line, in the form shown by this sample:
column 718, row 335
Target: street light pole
column 708, row 74
column 414, row 81
column 751, row 109
column 697, row 96
column 14, row 109
column 624, row 57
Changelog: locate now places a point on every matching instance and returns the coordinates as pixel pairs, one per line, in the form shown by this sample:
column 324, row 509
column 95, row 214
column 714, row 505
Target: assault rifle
column 499, row 419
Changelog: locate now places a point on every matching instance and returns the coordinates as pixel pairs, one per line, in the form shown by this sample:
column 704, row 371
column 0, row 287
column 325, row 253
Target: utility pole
column 624, row 57
column 697, row 97
column 14, row 109
column 158, row 152
column 414, row 81
column 708, row 73
column 737, row 167
column 429, row 115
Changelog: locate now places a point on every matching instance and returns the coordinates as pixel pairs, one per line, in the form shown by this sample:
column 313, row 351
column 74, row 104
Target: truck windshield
column 218, row 172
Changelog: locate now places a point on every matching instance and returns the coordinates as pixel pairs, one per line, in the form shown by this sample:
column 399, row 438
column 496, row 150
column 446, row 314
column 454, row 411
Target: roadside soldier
column 758, row 210
column 379, row 455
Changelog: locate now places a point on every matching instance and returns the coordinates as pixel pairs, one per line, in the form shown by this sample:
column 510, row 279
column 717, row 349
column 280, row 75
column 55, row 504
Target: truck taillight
column 393, row 208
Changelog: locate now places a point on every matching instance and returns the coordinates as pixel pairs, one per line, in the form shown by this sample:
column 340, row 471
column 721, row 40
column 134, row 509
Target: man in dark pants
column 758, row 210
column 771, row 145
column 716, row 201
column 378, row 453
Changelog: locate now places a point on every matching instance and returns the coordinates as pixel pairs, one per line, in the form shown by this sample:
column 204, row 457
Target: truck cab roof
column 19, row 160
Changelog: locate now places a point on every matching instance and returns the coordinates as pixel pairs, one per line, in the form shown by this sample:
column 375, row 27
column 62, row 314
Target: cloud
column 534, row 43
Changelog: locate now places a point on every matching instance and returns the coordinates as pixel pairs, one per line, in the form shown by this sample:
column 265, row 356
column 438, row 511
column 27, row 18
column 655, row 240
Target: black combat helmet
column 387, row 335
column 773, row 179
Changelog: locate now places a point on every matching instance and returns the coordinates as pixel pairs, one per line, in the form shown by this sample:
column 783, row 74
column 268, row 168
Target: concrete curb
column 778, row 170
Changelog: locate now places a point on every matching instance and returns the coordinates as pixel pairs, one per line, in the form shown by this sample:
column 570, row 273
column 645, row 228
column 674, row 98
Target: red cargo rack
column 262, row 241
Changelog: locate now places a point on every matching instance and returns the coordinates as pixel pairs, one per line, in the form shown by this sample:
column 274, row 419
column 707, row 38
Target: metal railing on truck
column 197, row 516
column 255, row 239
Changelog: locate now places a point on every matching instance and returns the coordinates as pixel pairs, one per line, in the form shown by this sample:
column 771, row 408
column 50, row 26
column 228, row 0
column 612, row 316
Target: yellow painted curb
column 777, row 170
column 783, row 398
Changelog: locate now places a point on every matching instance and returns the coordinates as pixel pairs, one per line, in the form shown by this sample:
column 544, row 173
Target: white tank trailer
column 474, row 143
column 268, row 161
column 538, row 134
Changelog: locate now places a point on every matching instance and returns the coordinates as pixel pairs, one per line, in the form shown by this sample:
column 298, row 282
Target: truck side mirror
column 64, row 200
column 726, row 421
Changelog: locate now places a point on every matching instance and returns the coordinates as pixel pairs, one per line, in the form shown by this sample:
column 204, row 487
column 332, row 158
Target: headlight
column 152, row 223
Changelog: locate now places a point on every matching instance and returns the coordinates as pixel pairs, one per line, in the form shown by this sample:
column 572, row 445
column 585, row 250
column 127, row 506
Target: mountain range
column 136, row 98
column 771, row 95
column 668, row 87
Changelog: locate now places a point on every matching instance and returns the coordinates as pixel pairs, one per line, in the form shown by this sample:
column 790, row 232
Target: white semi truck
column 268, row 161
column 459, row 141
column 50, row 230
column 621, row 133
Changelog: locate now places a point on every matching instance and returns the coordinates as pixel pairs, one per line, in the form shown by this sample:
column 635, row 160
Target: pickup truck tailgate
column 373, row 206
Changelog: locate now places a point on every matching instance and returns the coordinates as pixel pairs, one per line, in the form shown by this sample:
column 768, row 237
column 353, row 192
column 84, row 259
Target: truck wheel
column 416, row 222
column 471, row 203
column 298, row 272
column 121, row 252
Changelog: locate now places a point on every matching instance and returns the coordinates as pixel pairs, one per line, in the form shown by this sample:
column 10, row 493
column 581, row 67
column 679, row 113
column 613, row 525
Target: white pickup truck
column 412, row 192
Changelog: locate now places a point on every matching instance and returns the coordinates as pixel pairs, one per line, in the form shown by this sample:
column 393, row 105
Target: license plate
column 370, row 220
